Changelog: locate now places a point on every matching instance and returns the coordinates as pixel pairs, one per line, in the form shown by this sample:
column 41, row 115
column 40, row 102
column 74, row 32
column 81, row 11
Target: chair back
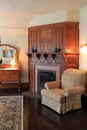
column 73, row 77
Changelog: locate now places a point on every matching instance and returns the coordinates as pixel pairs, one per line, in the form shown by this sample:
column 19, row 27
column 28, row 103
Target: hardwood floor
column 39, row 117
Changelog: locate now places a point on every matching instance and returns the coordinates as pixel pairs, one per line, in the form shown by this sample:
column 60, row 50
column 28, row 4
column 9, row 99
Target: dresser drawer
column 9, row 75
column 14, row 72
column 4, row 72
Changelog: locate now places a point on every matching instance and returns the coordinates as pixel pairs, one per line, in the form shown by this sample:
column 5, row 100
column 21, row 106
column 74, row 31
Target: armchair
column 65, row 95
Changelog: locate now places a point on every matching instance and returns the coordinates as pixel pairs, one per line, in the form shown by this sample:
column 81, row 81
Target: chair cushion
column 54, row 94
column 52, row 84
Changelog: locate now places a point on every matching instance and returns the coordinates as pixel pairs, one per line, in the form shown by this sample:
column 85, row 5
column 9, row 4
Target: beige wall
column 65, row 15
column 14, row 31
column 48, row 18
column 83, row 37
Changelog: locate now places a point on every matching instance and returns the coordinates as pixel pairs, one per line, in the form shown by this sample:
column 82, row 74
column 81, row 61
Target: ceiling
column 38, row 7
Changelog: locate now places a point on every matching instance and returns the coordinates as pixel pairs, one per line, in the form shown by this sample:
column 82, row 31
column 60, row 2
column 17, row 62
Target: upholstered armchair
column 65, row 95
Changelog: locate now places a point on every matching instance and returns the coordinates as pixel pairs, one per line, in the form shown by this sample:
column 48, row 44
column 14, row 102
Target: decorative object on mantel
column 57, row 48
column 11, row 112
column 34, row 48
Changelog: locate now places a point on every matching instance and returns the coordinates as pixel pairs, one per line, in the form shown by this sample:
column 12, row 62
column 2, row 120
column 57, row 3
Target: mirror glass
column 7, row 54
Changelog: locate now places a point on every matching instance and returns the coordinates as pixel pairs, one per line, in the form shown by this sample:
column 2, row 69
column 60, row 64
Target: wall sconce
column 83, row 48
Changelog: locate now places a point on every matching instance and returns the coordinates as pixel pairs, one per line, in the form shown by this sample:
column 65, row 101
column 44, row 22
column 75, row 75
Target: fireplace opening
column 45, row 76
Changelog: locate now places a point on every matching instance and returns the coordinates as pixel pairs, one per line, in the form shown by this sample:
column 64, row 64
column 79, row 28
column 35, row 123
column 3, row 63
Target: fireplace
column 44, row 76
column 46, row 72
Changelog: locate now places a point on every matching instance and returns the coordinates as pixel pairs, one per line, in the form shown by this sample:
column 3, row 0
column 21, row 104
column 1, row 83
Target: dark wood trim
column 61, row 24
column 13, row 85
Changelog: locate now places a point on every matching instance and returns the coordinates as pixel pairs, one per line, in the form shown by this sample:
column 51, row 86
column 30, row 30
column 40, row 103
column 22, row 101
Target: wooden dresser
column 9, row 67
column 10, row 75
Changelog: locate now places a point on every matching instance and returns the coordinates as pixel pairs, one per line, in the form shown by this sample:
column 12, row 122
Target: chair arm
column 74, row 90
column 52, row 84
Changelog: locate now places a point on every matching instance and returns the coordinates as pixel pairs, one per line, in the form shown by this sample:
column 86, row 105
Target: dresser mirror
column 8, row 56
column 9, row 66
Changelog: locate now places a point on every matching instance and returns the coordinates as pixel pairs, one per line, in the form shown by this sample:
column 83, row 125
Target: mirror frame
column 15, row 58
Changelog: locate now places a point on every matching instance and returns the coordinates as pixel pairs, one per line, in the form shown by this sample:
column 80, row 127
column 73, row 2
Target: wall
column 14, row 31
column 65, row 15
column 83, row 37
column 48, row 18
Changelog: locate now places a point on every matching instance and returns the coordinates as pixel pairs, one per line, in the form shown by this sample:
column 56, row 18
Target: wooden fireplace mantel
column 63, row 60
column 66, row 56
column 44, row 54
column 45, row 38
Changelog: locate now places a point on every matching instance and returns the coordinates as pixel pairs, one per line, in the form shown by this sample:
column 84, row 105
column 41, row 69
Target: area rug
column 11, row 112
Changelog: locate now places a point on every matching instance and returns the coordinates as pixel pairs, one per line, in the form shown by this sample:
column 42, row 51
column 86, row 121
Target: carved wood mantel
column 47, row 61
column 44, row 39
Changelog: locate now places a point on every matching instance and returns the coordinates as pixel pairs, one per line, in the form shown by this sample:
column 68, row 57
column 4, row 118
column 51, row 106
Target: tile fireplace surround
column 38, row 67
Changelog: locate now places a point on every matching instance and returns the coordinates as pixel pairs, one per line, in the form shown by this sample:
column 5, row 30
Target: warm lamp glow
column 83, row 48
column 69, row 50
column 12, row 63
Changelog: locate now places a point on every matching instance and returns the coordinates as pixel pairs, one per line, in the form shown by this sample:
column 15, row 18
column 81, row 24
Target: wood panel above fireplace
column 53, row 44
column 45, row 38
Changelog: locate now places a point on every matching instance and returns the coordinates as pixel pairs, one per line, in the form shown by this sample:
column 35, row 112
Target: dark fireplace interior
column 45, row 76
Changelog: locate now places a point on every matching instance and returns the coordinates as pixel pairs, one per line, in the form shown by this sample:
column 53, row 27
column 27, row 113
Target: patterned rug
column 11, row 112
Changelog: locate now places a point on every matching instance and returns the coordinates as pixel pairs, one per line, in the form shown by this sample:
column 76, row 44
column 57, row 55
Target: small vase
column 56, row 49
column 32, row 48
column 59, row 50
